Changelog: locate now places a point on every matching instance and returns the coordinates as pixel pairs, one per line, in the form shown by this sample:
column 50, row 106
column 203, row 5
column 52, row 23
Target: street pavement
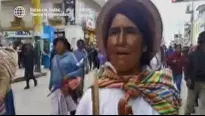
column 19, row 76
column 35, row 101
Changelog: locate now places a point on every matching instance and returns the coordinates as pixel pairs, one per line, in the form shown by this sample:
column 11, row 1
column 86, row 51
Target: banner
column 59, row 33
column 18, row 34
column 69, row 8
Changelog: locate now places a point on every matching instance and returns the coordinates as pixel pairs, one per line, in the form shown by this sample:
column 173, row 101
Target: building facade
column 199, row 23
column 8, row 18
column 86, row 12
column 80, row 23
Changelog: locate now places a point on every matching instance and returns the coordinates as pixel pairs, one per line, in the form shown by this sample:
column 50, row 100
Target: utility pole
column 192, row 12
column 192, row 22
column 37, row 34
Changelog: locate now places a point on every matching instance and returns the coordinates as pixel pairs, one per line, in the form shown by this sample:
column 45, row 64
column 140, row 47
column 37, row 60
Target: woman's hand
column 74, row 83
column 174, row 61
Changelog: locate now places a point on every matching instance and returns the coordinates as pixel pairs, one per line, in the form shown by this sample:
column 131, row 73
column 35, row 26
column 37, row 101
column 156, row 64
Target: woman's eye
column 130, row 30
column 114, row 31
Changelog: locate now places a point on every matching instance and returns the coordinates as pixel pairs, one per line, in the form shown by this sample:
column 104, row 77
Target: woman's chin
column 122, row 68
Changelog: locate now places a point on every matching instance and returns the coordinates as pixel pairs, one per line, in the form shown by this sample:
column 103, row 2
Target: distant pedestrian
column 89, row 50
column 80, row 54
column 29, row 60
column 169, row 51
column 19, row 51
column 95, row 59
column 101, row 58
column 176, row 62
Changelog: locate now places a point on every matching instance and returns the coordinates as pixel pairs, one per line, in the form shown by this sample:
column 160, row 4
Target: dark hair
column 63, row 40
column 80, row 41
column 177, row 45
column 201, row 38
column 162, row 51
column 140, row 17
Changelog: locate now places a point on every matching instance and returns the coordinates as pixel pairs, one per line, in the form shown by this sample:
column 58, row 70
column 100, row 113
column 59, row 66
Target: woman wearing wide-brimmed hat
column 129, row 32
column 8, row 67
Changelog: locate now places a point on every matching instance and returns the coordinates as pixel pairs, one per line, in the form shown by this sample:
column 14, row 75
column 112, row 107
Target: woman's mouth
column 122, row 53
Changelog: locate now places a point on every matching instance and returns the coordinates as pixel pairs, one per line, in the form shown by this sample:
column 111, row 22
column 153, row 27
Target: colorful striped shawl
column 157, row 89
column 2, row 108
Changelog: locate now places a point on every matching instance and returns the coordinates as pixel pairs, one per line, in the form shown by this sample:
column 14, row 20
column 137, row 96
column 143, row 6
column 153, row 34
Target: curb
column 20, row 79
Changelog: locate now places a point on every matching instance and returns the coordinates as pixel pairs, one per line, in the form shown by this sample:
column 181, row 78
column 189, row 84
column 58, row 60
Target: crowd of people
column 140, row 75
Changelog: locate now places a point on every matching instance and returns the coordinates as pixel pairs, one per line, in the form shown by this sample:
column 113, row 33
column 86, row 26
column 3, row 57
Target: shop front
column 89, row 32
column 86, row 15
column 18, row 37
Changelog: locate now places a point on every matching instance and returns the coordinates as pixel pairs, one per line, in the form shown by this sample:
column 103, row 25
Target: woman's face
column 124, row 45
column 60, row 47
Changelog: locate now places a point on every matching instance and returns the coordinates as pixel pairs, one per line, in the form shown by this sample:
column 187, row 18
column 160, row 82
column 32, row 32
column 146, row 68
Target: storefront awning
column 18, row 34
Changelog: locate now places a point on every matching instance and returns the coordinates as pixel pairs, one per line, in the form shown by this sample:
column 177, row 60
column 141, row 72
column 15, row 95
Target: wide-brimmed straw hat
column 8, row 60
column 151, row 10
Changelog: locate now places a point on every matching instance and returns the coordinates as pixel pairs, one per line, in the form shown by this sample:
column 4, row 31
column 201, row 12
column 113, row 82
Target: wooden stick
column 95, row 96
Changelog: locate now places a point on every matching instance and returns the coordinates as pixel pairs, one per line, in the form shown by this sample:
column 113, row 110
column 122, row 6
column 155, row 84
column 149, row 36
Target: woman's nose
column 121, row 38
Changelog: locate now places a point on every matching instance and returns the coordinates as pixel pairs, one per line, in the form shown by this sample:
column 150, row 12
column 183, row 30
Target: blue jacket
column 169, row 52
column 67, row 64
column 80, row 54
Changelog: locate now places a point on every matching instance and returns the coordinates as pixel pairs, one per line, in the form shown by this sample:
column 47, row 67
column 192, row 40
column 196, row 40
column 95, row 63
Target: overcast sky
column 173, row 16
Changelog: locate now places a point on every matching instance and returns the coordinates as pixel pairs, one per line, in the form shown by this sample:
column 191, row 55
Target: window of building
column 58, row 6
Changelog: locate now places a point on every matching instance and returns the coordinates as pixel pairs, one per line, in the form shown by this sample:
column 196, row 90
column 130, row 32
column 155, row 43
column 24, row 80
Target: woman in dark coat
column 29, row 56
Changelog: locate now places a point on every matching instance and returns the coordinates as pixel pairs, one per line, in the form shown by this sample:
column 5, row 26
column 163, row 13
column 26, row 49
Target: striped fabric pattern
column 156, row 88
column 2, row 108
column 9, row 60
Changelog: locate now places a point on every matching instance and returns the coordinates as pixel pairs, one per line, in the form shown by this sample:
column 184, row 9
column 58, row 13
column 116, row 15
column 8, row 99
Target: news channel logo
column 19, row 12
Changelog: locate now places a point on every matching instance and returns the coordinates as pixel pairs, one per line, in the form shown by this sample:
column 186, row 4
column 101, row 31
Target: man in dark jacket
column 195, row 77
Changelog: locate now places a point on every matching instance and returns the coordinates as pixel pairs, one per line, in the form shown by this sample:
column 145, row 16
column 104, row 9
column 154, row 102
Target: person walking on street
column 8, row 68
column 101, row 58
column 95, row 59
column 176, row 62
column 169, row 51
column 195, row 77
column 19, row 48
column 65, row 79
column 90, row 57
column 129, row 32
column 29, row 56
column 81, row 54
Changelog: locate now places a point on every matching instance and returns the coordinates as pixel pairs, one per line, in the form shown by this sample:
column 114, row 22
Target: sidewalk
column 20, row 75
